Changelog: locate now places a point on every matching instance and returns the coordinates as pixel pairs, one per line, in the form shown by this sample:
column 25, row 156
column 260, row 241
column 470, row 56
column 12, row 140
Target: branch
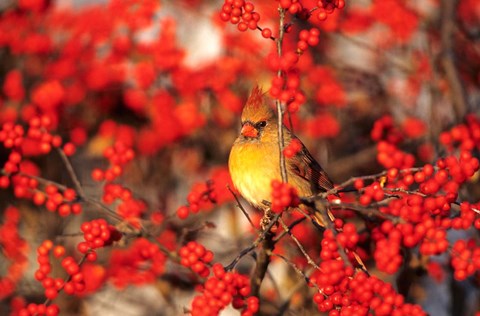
column 297, row 269
column 268, row 244
column 299, row 245
column 340, row 187
column 241, row 207
column 290, row 227
column 281, row 142
column 458, row 94
column 254, row 245
column 71, row 173
column 263, row 260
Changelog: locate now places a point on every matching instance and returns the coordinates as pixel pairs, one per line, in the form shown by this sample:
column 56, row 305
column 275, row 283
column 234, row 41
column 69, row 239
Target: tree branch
column 458, row 94
column 281, row 142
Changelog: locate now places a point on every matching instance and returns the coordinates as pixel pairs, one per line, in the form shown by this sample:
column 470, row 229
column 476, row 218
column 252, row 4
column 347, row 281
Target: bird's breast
column 253, row 166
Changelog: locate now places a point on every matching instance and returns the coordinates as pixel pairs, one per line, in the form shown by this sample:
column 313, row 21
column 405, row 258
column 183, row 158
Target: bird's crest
column 256, row 108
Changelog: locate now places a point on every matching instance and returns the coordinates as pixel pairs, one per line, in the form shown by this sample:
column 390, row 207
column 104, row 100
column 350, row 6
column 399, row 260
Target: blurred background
column 169, row 79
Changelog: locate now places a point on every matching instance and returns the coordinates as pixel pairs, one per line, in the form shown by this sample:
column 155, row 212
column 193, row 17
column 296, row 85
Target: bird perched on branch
column 255, row 158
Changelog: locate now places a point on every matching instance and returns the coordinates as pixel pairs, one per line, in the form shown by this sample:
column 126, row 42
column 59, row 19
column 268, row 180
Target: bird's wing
column 305, row 166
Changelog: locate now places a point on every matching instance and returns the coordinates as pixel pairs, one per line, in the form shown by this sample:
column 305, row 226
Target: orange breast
column 253, row 166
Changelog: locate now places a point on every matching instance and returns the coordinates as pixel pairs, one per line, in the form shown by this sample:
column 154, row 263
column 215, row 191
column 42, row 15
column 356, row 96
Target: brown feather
column 256, row 108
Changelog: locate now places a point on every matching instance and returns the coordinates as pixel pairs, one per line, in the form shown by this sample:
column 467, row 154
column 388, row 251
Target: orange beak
column 249, row 131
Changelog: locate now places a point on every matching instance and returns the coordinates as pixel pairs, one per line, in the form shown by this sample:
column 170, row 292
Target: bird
column 254, row 159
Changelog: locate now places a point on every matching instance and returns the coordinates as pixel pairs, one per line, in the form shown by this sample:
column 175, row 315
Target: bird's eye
column 262, row 124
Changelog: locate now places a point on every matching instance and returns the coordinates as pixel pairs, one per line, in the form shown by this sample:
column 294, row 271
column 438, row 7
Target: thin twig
column 405, row 191
column 457, row 89
column 62, row 187
column 71, row 173
column 254, row 245
column 297, row 270
column 367, row 211
column 241, row 207
column 109, row 211
column 299, row 245
column 290, row 227
column 350, row 181
column 81, row 192
column 293, row 290
column 67, row 278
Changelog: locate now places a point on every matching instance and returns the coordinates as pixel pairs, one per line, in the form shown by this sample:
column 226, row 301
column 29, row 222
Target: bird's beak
column 249, row 131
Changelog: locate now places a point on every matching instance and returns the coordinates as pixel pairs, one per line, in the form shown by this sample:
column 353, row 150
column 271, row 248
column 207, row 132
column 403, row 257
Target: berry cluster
column 222, row 289
column 344, row 292
column 387, row 253
column 194, row 256
column 384, row 129
column 292, row 148
column 283, row 196
column 129, row 207
column 202, row 196
column 61, row 200
column 427, row 208
column 141, row 263
column 326, row 7
column 373, row 192
column 76, row 283
column 38, row 139
column 11, row 135
column 293, row 6
column 463, row 136
column 56, row 200
column 97, row 234
column 287, row 88
column 14, row 249
column 33, row 309
column 307, row 38
column 12, row 86
column 380, row 297
column 21, row 173
column 332, row 271
column 390, row 156
column 348, row 236
column 465, row 258
column 242, row 14
column 468, row 214
column 118, row 155
column 73, row 285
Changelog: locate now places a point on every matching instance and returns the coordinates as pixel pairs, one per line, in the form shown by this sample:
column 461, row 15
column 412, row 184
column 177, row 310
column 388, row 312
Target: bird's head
column 257, row 116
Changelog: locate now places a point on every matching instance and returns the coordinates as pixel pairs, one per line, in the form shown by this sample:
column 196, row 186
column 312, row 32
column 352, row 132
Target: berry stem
column 71, row 172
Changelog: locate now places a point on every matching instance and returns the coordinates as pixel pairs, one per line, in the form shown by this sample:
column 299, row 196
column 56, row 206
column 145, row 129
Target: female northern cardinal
column 255, row 159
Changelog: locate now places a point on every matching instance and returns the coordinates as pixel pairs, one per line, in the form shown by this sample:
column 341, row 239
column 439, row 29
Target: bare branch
column 241, row 207
column 254, row 245
column 458, row 94
column 71, row 173
column 281, row 141
column 299, row 245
